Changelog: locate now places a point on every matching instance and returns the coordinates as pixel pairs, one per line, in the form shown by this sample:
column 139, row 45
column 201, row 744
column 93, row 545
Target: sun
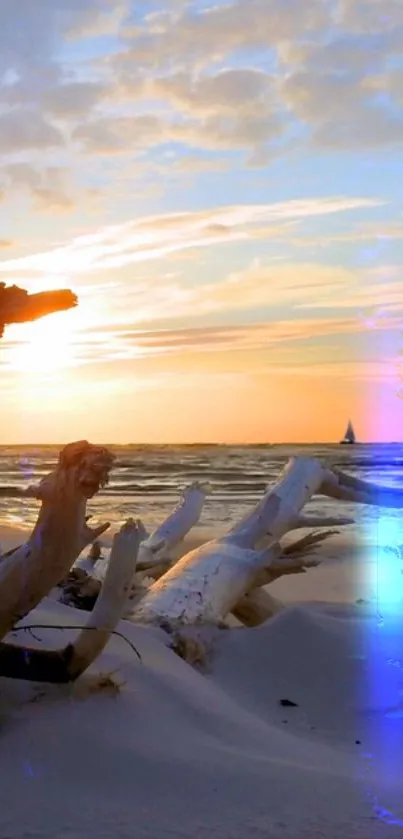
column 44, row 346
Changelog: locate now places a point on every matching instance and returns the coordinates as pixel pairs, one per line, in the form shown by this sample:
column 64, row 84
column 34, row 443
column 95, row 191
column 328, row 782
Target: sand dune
column 178, row 753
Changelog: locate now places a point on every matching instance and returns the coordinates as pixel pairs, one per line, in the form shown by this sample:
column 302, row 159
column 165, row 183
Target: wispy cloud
column 361, row 233
column 152, row 238
column 258, row 336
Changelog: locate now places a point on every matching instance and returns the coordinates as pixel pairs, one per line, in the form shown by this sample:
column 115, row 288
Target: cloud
column 392, row 83
column 321, row 77
column 367, row 298
column 273, row 285
column 369, row 127
column 155, row 237
column 73, row 99
column 230, row 110
column 123, row 135
column 33, row 76
column 109, row 343
column 45, row 24
column 226, row 91
column 47, row 186
column 307, row 347
column 191, row 37
column 341, row 51
column 227, row 338
column 371, row 17
column 341, row 109
column 98, row 19
column 238, row 75
column 23, row 132
column 243, row 76
column 128, row 135
column 369, row 231
column 191, row 164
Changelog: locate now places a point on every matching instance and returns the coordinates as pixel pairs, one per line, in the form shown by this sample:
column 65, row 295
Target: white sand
column 179, row 754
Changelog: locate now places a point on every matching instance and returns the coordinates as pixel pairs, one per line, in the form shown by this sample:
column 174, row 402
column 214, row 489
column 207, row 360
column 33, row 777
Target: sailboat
column 349, row 437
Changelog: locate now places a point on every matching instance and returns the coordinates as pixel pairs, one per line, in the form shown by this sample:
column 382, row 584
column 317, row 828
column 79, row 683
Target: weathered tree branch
column 68, row 664
column 157, row 549
column 337, row 484
column 17, row 306
column 207, row 583
column 29, row 573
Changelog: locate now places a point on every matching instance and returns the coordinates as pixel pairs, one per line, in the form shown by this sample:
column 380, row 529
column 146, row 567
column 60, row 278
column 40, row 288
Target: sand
column 177, row 753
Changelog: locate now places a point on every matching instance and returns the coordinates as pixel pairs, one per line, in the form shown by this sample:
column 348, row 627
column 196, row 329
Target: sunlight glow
column 48, row 345
column 52, row 344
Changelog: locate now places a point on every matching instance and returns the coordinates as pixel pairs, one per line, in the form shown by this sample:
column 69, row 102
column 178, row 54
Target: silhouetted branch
column 17, row 306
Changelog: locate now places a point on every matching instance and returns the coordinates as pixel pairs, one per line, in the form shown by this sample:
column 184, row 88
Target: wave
column 247, row 487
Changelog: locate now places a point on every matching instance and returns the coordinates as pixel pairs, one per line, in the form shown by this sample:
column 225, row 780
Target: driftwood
column 256, row 607
column 337, row 484
column 223, row 576
column 207, row 583
column 17, row 306
column 68, row 664
column 157, row 549
column 80, row 590
column 59, row 535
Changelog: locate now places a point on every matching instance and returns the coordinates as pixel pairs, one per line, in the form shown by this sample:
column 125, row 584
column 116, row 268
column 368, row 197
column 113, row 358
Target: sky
column 221, row 185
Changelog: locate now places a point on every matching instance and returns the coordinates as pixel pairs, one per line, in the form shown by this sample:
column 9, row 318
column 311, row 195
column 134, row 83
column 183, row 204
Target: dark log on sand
column 67, row 664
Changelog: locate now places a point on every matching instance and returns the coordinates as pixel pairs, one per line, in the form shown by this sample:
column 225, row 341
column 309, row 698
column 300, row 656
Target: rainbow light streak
column 385, row 665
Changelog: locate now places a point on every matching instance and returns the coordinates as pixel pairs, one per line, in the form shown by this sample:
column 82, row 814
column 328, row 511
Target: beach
column 294, row 730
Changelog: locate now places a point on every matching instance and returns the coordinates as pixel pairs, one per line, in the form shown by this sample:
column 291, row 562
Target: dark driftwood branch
column 68, row 664
column 36, row 665
column 17, row 306
column 51, row 666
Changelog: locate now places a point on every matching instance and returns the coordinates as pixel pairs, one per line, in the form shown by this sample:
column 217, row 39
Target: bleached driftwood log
column 68, row 664
column 88, row 534
column 257, row 605
column 337, row 484
column 207, row 583
column 112, row 599
column 156, row 550
column 60, row 533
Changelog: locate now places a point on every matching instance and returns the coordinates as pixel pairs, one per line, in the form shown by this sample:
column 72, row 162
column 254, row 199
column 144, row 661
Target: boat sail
column 349, row 437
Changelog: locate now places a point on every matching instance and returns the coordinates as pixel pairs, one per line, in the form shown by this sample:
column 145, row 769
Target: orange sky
column 201, row 396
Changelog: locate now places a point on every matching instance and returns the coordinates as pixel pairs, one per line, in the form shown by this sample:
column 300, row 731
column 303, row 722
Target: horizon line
column 210, row 443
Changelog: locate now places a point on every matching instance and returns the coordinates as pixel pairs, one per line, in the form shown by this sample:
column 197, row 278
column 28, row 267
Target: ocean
column 147, row 480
